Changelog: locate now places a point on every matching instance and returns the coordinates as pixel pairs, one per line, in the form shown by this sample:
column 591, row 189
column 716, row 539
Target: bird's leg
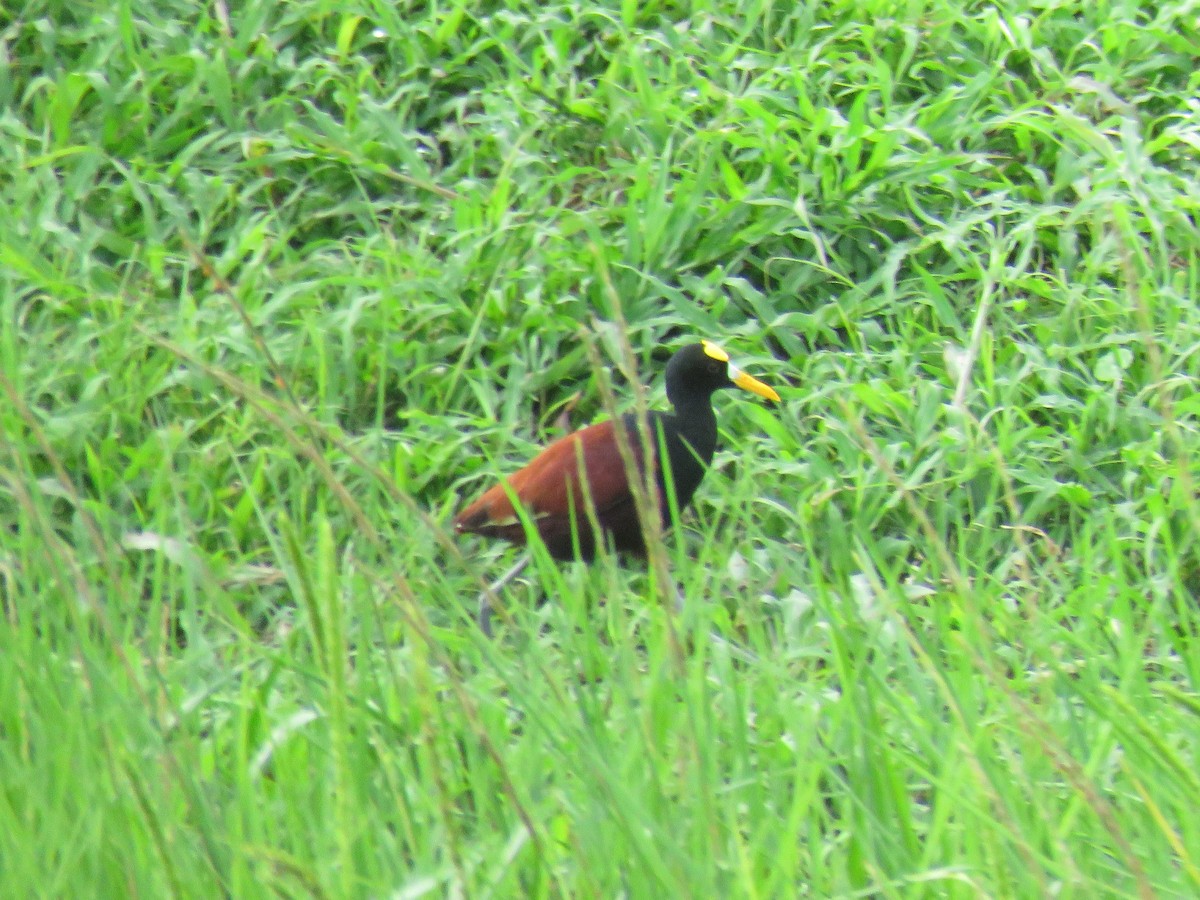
column 484, row 617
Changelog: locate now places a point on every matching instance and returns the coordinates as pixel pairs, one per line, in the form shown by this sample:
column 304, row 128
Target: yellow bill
column 751, row 384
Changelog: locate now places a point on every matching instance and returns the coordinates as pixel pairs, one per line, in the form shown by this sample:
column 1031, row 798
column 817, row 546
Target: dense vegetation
column 283, row 284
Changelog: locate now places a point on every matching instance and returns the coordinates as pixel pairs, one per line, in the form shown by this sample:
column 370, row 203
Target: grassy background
column 284, row 284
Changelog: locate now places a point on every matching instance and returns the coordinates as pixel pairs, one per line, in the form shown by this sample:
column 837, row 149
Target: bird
column 554, row 490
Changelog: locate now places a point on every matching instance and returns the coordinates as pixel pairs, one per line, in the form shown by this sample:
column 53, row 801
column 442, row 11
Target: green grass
column 283, row 285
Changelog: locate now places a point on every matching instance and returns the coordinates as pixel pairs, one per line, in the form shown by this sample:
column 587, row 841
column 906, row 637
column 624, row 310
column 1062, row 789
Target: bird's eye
column 714, row 367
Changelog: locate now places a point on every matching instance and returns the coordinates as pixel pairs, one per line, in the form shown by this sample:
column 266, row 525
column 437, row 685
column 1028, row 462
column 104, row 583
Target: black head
column 697, row 370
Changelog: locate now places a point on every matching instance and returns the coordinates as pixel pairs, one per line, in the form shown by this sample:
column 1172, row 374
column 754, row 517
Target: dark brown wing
column 550, row 491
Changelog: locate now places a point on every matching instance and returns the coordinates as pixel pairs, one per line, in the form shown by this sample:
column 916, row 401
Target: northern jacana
column 550, row 488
